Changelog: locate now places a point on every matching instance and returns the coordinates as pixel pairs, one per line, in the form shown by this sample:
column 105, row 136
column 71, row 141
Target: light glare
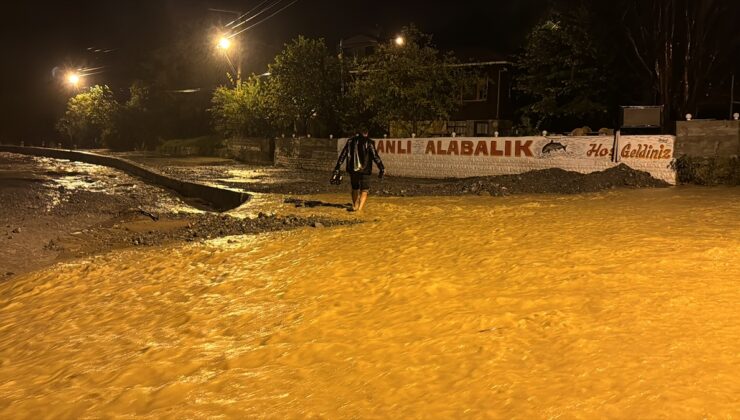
column 73, row 78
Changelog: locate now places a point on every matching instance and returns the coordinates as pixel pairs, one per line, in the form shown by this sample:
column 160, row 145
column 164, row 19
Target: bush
column 713, row 170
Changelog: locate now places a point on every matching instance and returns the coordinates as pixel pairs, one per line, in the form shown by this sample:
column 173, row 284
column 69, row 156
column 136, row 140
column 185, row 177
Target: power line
column 269, row 6
column 247, row 13
column 268, row 17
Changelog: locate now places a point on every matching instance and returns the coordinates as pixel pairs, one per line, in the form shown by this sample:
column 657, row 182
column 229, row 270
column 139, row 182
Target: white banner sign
column 464, row 157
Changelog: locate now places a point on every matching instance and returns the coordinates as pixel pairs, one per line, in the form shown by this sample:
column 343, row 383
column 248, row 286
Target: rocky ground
column 52, row 210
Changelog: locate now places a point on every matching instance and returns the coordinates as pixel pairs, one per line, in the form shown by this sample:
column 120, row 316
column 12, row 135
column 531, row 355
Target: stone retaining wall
column 250, row 150
column 307, row 153
column 708, row 138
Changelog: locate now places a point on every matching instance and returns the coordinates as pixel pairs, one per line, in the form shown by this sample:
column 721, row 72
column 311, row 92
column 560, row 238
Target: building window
column 481, row 128
column 460, row 128
column 476, row 90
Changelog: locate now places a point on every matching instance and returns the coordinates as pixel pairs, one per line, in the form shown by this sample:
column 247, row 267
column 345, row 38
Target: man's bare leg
column 355, row 199
column 363, row 199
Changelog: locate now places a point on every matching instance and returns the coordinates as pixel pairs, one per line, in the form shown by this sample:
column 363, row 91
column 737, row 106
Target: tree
column 181, row 71
column 680, row 45
column 563, row 73
column 87, row 117
column 412, row 82
column 304, row 85
column 132, row 125
column 242, row 110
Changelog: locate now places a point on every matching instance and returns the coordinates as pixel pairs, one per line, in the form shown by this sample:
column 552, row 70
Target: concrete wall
column 250, row 150
column 179, row 150
column 219, row 198
column 708, row 138
column 463, row 157
column 307, row 153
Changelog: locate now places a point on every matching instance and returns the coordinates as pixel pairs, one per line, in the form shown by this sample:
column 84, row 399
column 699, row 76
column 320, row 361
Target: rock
column 16, row 230
column 317, row 225
column 61, row 188
column 9, row 273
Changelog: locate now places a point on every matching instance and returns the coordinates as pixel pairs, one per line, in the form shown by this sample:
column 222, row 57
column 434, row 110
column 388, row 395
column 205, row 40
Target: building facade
column 485, row 103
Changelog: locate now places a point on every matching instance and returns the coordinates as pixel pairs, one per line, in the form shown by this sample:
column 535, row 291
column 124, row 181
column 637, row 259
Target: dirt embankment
column 53, row 210
column 547, row 181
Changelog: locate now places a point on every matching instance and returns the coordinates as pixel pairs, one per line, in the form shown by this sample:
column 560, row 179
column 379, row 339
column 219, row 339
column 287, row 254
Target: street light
column 73, row 79
column 400, row 41
column 224, row 43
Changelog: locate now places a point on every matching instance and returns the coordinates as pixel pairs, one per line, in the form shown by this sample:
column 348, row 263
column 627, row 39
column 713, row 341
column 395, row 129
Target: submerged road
column 618, row 304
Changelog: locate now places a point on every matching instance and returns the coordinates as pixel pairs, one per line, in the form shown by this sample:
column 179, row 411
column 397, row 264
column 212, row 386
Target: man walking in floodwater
column 360, row 153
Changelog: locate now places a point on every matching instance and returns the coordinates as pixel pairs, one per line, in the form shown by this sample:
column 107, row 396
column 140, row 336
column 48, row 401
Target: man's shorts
column 360, row 181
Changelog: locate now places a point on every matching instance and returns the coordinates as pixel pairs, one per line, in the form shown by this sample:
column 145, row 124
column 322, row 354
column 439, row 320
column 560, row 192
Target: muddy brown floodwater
column 619, row 304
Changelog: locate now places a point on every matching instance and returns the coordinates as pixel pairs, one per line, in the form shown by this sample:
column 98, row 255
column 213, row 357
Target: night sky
column 40, row 36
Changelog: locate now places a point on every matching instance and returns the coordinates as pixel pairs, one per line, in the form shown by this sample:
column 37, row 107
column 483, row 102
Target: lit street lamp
column 73, row 79
column 224, row 43
column 400, row 41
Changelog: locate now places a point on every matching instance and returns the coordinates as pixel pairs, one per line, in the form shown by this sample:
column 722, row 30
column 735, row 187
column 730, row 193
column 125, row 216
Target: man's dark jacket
column 360, row 153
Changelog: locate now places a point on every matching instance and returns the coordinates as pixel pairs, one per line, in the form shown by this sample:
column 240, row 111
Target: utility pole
column 238, row 69
column 341, row 66
column 498, row 92
column 732, row 97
